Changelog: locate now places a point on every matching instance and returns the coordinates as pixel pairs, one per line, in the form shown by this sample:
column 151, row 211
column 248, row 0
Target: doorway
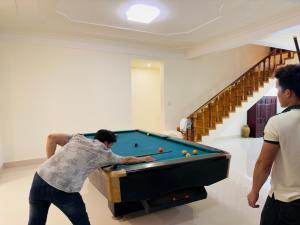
column 147, row 92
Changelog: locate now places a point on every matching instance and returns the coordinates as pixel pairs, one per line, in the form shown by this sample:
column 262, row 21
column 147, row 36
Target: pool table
column 171, row 180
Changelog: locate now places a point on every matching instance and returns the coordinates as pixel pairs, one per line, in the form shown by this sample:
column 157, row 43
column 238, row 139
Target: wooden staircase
column 217, row 108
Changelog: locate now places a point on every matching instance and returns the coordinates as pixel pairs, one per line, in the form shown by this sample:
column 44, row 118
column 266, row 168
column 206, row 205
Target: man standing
column 281, row 154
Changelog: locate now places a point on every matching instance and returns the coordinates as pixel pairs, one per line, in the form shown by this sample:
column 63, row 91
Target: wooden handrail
column 273, row 52
column 215, row 109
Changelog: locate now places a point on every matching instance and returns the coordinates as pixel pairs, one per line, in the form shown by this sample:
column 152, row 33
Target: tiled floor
column 226, row 203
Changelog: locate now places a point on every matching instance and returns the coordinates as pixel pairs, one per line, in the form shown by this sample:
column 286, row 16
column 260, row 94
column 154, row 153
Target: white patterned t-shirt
column 69, row 167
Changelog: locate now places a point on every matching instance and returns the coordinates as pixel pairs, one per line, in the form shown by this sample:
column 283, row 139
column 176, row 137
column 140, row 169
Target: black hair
column 105, row 135
column 289, row 78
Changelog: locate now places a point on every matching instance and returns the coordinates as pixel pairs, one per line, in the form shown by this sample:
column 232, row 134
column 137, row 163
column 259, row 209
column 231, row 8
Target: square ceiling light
column 142, row 13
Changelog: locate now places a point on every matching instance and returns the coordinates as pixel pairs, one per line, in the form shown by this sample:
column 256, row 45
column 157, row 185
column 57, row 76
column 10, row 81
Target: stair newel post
column 256, row 78
column 209, row 115
column 251, row 85
column 201, row 118
column 220, row 108
column 193, row 135
column 214, row 114
column 218, row 114
column 269, row 69
column 259, row 74
column 246, row 86
column 236, row 92
column 236, row 102
column 227, row 102
column 202, row 125
column 206, row 120
column 224, row 104
column 232, row 98
column 239, row 94
column 263, row 74
column 244, row 89
column 274, row 63
column 266, row 71
column 247, row 79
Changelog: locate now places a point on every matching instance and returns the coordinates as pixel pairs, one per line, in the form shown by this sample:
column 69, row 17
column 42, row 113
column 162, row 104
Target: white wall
column 1, row 118
column 189, row 84
column 60, row 89
column 1, row 155
column 56, row 88
column 147, row 99
column 2, row 106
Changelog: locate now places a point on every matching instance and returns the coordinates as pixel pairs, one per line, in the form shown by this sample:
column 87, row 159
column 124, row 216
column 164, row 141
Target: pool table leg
column 122, row 208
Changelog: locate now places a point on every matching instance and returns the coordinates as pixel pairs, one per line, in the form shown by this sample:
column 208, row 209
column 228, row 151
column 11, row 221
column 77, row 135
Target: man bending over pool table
column 60, row 178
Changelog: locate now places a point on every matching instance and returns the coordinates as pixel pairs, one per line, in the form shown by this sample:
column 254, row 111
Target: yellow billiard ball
column 184, row 152
column 195, row 152
column 187, row 155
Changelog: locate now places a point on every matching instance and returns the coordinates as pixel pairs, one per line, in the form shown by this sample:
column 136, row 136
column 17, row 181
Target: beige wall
column 147, row 99
column 51, row 88
column 1, row 116
column 188, row 84
column 58, row 89
column 2, row 106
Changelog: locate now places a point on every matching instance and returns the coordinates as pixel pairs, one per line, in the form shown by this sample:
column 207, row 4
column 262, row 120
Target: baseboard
column 23, row 163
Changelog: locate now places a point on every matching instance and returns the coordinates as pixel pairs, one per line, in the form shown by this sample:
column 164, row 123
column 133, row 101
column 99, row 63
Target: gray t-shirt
column 68, row 168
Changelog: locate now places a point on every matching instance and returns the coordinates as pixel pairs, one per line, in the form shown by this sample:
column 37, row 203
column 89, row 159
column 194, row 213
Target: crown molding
column 249, row 35
column 108, row 46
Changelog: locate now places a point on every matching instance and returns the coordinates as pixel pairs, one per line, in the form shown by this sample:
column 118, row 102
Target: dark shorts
column 276, row 212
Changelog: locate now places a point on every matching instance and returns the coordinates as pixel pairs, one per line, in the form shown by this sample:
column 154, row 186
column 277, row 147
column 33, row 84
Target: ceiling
column 187, row 25
column 282, row 39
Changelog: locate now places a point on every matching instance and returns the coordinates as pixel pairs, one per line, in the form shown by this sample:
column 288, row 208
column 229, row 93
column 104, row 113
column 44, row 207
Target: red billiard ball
column 161, row 150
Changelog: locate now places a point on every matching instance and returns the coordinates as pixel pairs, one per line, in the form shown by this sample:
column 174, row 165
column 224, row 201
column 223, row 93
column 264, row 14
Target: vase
column 245, row 131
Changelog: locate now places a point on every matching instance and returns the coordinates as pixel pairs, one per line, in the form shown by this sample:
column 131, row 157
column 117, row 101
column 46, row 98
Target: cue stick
column 156, row 153
column 297, row 47
column 136, row 156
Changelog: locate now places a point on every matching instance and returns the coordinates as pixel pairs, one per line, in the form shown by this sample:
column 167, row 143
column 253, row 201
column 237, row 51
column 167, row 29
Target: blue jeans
column 42, row 195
